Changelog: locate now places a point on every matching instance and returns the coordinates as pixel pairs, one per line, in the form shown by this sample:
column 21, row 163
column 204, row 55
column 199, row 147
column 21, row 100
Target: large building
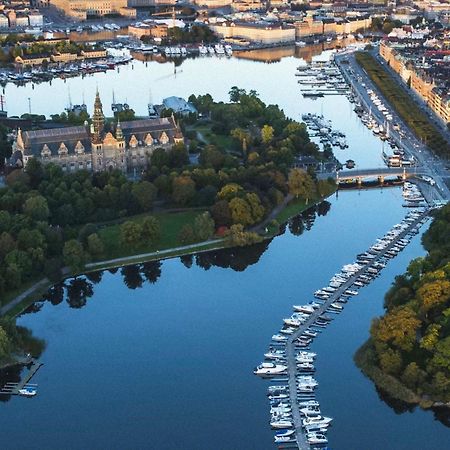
column 126, row 146
column 81, row 9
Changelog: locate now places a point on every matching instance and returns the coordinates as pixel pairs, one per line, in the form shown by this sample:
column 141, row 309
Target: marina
column 293, row 405
column 23, row 388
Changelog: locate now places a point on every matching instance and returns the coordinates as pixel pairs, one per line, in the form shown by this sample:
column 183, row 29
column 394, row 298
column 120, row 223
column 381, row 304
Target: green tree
column 241, row 211
column 186, row 235
column 151, row 230
column 130, row 233
column 74, row 256
column 204, row 226
column 256, row 207
column 5, row 344
column 183, row 190
column 145, row 193
column 301, row 184
column 95, row 246
column 36, row 208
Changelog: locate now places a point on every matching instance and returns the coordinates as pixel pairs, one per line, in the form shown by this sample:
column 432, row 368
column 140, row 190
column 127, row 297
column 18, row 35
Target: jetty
column 288, row 398
column 11, row 388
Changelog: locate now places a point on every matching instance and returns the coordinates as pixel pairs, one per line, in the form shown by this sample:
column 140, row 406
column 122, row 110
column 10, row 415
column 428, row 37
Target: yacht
column 279, row 338
column 305, row 366
column 282, row 423
column 228, row 50
column 273, row 389
column 275, row 354
column 308, row 309
column 203, row 50
column 269, row 369
column 318, row 420
column 316, row 438
column 219, row 49
column 285, row 433
column 279, row 439
column 300, row 43
column 309, row 403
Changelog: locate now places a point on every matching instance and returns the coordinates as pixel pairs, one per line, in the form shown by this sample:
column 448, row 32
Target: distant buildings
column 81, row 9
column 426, row 70
column 20, row 17
column 125, row 146
column 259, row 32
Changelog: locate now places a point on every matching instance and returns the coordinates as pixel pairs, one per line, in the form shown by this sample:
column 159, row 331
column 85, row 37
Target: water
column 169, row 364
column 136, row 82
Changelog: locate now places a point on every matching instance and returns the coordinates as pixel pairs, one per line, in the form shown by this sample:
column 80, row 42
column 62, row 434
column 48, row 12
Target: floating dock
column 14, row 388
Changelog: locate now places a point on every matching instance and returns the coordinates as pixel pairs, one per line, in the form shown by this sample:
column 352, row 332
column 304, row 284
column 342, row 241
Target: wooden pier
column 14, row 388
column 302, row 442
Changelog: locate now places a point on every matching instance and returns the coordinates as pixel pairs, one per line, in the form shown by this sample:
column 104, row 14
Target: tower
column 119, row 133
column 98, row 119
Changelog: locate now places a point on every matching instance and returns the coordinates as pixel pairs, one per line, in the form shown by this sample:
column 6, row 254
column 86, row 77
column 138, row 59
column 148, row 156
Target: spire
column 98, row 119
column 19, row 141
column 119, row 134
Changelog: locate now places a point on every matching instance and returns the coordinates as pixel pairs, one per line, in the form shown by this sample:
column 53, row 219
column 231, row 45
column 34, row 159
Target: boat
column 281, row 424
column 279, row 338
column 312, row 94
column 318, row 420
column 316, row 438
column 27, row 392
column 285, row 433
column 300, row 43
column 269, row 369
column 308, row 309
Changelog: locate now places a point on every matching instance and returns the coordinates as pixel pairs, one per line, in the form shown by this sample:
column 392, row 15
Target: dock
column 301, row 439
column 14, row 388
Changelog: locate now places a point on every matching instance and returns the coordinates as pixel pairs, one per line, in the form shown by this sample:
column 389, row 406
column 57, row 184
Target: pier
column 292, row 371
column 14, row 388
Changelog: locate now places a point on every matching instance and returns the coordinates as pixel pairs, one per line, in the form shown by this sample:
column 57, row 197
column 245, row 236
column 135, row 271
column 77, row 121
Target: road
column 426, row 161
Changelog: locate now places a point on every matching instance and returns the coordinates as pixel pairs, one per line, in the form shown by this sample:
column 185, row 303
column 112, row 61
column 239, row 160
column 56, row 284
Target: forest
column 408, row 353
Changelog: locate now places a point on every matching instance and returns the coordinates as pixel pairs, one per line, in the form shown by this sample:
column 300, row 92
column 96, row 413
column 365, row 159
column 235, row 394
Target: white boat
column 228, row 50
column 318, row 420
column 269, row 369
column 203, row 50
column 308, row 309
column 275, row 354
column 300, row 43
column 220, row 50
column 282, row 439
column 285, row 433
column 279, row 338
column 27, row 392
column 281, row 424
column 316, row 438
column 309, row 403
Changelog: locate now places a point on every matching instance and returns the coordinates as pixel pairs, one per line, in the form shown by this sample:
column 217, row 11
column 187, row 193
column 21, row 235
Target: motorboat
column 316, row 438
column 307, row 309
column 282, row 423
column 309, row 403
column 269, row 369
column 285, row 433
column 318, row 420
column 27, row 392
column 275, row 354
column 274, row 389
column 279, row 338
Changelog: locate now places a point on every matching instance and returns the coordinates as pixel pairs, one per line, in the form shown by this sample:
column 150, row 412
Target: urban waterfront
column 198, row 333
column 275, row 83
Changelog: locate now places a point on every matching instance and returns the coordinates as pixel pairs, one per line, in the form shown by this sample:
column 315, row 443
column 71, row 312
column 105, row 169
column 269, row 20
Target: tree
column 36, row 208
column 211, row 157
column 95, row 245
column 130, row 233
column 35, row 171
column 204, row 226
column 7, row 244
column 267, row 134
column 256, row 207
column 229, row 191
column 186, row 235
column 74, row 255
column 159, row 158
column 151, row 230
column 301, row 184
column 5, row 343
column 144, row 193
column 241, row 211
column 221, row 213
column 235, row 94
column 183, row 190
column 238, row 237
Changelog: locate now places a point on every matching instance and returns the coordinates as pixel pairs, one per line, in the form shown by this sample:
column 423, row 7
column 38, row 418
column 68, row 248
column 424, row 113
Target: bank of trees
column 411, row 342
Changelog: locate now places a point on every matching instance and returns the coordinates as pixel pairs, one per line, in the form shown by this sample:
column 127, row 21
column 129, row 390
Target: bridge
column 380, row 173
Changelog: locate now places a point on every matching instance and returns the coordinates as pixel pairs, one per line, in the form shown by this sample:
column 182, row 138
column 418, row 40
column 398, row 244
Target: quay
column 301, row 439
column 14, row 388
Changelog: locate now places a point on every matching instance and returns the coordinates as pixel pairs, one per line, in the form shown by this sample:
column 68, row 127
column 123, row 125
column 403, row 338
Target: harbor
column 295, row 413
column 23, row 388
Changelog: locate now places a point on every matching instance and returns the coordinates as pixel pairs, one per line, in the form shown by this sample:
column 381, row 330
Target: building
column 179, row 105
column 81, row 9
column 35, row 19
column 149, row 29
column 125, row 146
column 33, row 60
column 260, row 32
column 4, row 22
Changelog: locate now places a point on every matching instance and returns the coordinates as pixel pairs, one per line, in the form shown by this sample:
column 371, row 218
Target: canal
column 161, row 356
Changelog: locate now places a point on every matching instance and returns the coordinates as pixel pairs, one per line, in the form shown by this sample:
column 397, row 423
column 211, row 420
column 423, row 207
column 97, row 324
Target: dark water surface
column 168, row 365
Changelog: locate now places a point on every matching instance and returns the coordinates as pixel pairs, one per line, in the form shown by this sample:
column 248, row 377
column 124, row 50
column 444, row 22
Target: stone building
column 126, row 146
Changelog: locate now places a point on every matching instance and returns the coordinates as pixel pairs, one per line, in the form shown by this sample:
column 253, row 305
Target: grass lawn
column 170, row 225
column 221, row 141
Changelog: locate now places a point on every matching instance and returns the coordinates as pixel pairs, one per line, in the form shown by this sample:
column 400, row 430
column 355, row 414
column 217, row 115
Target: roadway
column 427, row 162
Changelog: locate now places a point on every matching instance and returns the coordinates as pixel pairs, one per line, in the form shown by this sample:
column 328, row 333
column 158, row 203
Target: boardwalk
column 14, row 388
column 290, row 345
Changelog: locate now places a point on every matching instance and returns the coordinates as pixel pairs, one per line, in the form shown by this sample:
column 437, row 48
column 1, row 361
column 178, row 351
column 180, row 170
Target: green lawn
column 404, row 104
column 221, row 141
column 170, row 225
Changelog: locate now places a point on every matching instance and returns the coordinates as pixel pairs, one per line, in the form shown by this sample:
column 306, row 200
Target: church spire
column 98, row 119
column 119, row 133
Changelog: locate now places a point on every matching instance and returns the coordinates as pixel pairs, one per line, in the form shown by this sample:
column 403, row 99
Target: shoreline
column 31, row 295
column 363, row 359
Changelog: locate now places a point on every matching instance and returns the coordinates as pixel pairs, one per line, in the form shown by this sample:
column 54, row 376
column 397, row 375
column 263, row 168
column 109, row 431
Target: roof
column 179, row 105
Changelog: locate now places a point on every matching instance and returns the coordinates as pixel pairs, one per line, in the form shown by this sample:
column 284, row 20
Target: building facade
column 125, row 146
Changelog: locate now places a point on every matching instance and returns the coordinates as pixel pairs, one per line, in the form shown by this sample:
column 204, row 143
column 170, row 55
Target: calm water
column 275, row 82
column 169, row 364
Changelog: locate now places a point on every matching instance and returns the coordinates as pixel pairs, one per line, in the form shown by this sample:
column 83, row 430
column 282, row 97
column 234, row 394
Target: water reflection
column 401, row 407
